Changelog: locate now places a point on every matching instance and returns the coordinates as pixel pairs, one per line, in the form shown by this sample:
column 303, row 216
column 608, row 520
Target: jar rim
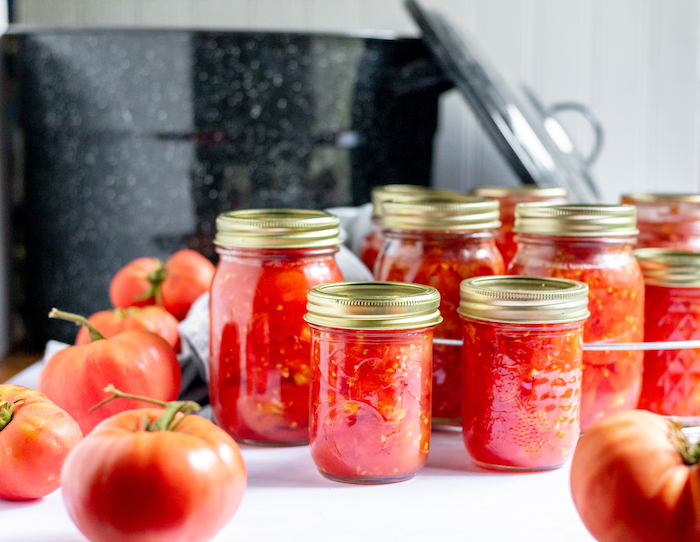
column 373, row 305
column 277, row 228
column 522, row 299
column 576, row 220
column 669, row 267
column 408, row 192
column 440, row 214
column 662, row 197
column 506, row 191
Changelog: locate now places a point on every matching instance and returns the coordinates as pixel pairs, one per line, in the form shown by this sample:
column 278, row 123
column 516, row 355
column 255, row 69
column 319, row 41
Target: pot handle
column 593, row 121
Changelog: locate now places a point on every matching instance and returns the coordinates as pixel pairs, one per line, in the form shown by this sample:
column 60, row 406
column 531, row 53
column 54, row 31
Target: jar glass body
column 441, row 260
column 259, row 342
column 505, row 237
column 372, row 244
column 611, row 379
column 671, row 383
column 522, row 393
column 669, row 224
column 370, row 403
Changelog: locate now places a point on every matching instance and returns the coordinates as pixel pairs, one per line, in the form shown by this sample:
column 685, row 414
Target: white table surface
column 288, row 500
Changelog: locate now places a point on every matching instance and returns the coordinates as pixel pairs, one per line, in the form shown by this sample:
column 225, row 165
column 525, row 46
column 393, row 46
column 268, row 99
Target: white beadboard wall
column 634, row 62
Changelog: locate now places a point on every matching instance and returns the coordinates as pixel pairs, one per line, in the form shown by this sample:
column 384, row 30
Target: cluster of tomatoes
column 127, row 472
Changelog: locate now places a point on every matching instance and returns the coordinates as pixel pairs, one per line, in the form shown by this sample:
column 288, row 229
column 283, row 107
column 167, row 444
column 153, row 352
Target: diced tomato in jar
column 671, row 384
column 522, row 355
column 611, row 379
column 667, row 220
column 441, row 260
column 371, row 351
column 370, row 403
column 260, row 343
column 522, row 391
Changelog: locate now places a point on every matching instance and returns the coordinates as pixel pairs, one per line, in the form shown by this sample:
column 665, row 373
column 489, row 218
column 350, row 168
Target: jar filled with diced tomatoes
column 371, row 352
column 259, row 342
column 508, row 197
column 441, row 242
column 671, row 383
column 667, row 220
column 374, row 241
column 522, row 355
column 592, row 244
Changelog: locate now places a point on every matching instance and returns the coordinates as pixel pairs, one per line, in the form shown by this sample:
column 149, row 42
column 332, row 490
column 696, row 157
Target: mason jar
column 667, row 220
column 508, row 197
column 374, row 241
column 371, row 352
column 259, row 342
column 522, row 356
column 592, row 244
column 440, row 243
column 671, row 384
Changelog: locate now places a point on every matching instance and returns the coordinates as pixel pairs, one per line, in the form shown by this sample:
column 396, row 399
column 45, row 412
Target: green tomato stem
column 689, row 451
column 165, row 422
column 80, row 320
column 156, row 278
column 5, row 414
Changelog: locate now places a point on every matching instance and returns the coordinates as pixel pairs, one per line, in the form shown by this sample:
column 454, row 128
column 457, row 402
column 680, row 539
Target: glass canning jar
column 259, row 342
column 374, row 241
column 508, row 197
column 371, row 350
column 440, row 243
column 592, row 244
column 671, row 384
column 522, row 357
column 667, row 220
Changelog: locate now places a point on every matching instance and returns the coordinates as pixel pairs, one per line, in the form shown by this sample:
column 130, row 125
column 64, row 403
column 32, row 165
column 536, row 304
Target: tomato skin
column 186, row 276
column 629, row 482
column 34, row 444
column 131, row 283
column 137, row 362
column 151, row 318
column 126, row 484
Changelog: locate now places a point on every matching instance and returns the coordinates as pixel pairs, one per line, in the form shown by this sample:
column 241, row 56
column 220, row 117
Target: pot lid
column 529, row 137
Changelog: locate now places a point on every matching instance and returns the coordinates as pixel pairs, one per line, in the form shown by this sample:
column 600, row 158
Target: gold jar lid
column 522, row 191
column 576, row 220
column 277, row 228
column 408, row 192
column 669, row 267
column 527, row 300
column 373, row 305
column 660, row 198
column 442, row 214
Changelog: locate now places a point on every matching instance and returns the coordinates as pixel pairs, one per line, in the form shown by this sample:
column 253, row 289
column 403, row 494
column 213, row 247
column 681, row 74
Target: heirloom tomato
column 151, row 318
column 137, row 361
column 154, row 474
column 35, row 438
column 635, row 476
column 175, row 285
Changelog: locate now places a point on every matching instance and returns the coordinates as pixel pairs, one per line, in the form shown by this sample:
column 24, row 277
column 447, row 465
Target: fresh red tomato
column 152, row 318
column 35, row 438
column 188, row 275
column 127, row 482
column 629, row 480
column 137, row 361
column 175, row 285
